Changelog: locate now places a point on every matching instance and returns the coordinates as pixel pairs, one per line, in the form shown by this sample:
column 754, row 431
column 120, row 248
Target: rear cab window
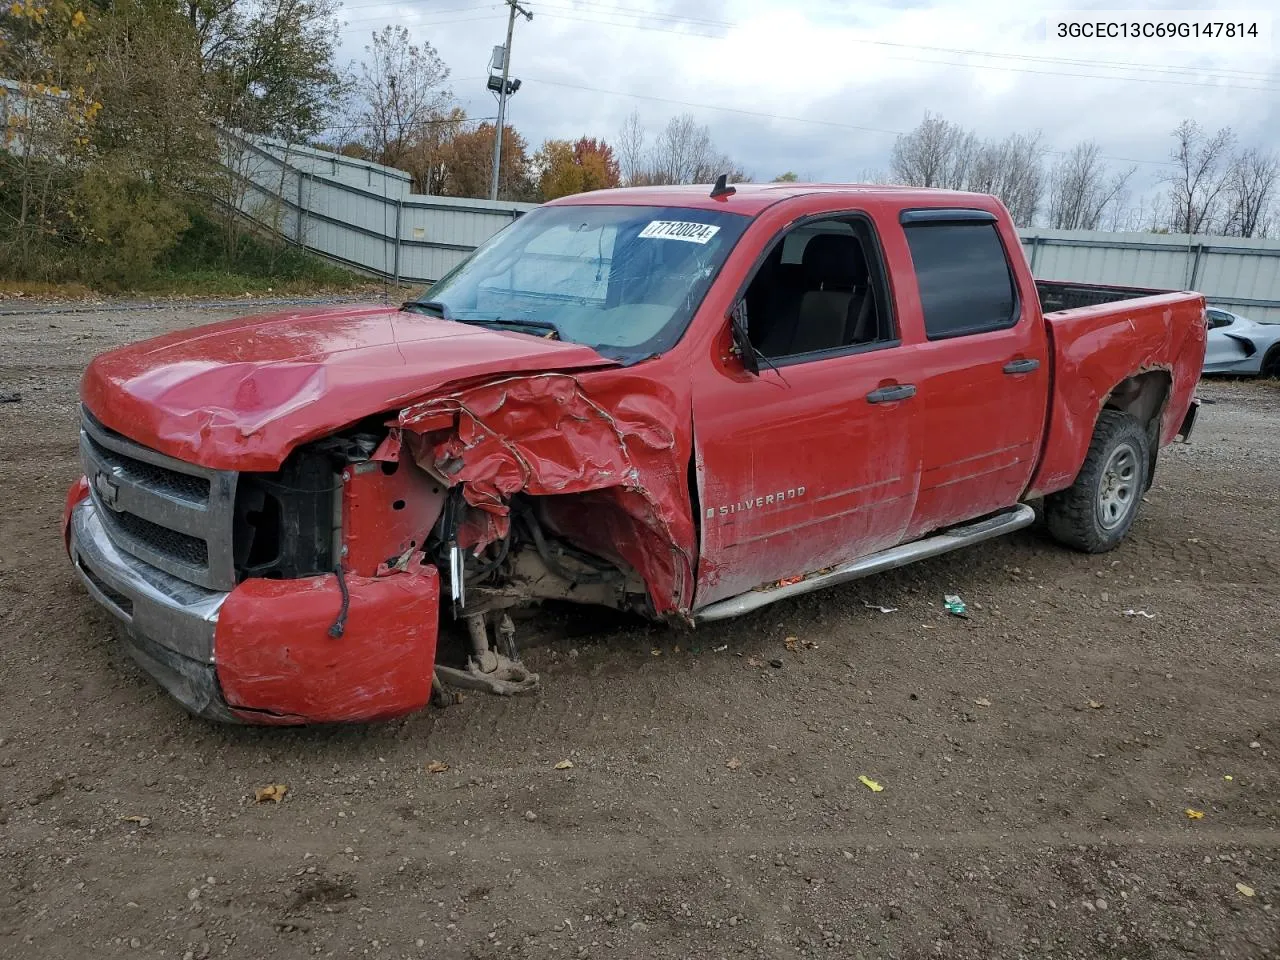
column 962, row 271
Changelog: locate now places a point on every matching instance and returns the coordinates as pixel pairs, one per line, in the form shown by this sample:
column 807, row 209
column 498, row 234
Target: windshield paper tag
column 679, row 230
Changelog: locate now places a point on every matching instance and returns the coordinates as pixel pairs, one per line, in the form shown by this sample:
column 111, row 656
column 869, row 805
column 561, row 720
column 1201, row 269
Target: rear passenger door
column 983, row 370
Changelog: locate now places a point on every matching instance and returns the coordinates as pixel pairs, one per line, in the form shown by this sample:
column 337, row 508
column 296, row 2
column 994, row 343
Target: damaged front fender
column 609, row 452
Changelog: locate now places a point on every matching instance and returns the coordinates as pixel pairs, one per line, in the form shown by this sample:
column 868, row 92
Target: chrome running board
column 954, row 538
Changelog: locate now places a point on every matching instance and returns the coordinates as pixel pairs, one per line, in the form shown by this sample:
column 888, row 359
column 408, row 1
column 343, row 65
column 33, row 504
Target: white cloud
column 835, row 67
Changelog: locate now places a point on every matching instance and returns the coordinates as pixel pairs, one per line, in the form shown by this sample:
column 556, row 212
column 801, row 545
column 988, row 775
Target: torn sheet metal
column 604, row 448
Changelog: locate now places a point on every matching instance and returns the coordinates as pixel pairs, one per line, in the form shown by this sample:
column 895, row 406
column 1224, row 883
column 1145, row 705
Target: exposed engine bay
column 362, row 503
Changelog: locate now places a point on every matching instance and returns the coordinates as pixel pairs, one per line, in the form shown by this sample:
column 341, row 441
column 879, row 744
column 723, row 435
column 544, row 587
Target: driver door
column 815, row 460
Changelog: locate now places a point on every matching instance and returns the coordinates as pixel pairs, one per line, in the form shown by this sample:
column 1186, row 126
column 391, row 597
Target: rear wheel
column 1271, row 363
column 1095, row 513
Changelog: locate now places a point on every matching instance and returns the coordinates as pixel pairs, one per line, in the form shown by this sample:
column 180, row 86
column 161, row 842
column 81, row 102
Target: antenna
column 722, row 189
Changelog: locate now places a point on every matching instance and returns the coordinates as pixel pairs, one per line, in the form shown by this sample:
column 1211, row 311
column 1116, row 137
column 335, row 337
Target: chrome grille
column 173, row 515
column 181, row 485
column 186, row 548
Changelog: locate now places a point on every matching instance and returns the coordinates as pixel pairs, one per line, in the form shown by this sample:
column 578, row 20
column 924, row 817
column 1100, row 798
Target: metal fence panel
column 1238, row 274
column 362, row 214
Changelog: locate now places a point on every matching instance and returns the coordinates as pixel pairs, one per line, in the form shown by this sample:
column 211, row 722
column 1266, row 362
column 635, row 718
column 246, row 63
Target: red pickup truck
column 679, row 401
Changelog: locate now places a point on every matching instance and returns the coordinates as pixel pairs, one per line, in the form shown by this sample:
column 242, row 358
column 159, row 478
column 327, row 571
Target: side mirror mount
column 742, row 346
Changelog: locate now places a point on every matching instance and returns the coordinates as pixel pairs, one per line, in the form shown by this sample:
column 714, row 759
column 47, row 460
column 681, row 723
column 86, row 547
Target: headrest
column 834, row 260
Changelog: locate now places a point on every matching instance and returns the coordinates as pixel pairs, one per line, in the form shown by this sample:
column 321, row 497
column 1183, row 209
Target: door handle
column 1021, row 366
column 899, row 391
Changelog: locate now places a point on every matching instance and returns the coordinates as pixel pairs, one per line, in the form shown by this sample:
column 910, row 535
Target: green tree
column 48, row 114
column 154, row 126
column 268, row 65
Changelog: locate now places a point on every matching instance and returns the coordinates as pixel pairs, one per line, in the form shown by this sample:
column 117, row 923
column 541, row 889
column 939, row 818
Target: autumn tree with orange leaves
column 564, row 167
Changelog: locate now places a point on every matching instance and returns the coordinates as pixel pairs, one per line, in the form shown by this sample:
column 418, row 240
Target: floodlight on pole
column 504, row 88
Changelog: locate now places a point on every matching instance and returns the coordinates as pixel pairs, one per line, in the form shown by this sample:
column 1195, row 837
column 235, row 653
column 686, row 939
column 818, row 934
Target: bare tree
column 630, row 149
column 1013, row 170
column 873, row 176
column 1158, row 216
column 1119, row 214
column 1198, row 187
column 402, row 86
column 683, row 152
column 1250, row 192
column 937, row 153
column 1082, row 190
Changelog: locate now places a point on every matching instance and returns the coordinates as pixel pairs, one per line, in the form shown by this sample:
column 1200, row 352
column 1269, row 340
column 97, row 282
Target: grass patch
column 198, row 264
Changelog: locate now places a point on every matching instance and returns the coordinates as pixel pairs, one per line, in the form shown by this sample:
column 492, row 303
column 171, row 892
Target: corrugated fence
column 1242, row 276
column 363, row 215
column 358, row 213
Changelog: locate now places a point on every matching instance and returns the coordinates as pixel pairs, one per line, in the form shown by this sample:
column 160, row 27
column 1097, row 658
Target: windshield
column 624, row 280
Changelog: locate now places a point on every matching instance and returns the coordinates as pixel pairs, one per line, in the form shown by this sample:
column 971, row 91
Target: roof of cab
column 751, row 198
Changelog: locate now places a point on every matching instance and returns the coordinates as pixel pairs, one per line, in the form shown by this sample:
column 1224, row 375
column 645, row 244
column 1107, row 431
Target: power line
column 592, row 13
column 1221, row 79
column 630, row 26
column 426, row 23
column 590, row 7
column 1077, row 76
column 400, row 3
column 1107, row 64
column 599, row 13
column 711, row 106
column 604, row 9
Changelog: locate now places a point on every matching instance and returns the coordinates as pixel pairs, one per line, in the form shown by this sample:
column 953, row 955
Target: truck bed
column 1056, row 295
column 1105, row 341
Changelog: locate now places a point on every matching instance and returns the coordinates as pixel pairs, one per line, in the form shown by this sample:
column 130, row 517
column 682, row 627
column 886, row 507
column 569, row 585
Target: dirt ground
column 1040, row 760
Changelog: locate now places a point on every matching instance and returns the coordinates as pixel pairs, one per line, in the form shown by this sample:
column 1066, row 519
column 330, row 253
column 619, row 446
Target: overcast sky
column 821, row 87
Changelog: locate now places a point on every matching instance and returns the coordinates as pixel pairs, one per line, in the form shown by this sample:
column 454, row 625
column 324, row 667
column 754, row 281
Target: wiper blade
column 429, row 306
column 550, row 330
column 441, row 309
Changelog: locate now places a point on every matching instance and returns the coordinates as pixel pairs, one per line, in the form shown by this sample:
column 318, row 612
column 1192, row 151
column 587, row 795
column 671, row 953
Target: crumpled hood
column 241, row 394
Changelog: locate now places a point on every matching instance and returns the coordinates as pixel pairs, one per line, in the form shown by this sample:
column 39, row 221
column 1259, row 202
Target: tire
column 1271, row 364
column 1095, row 513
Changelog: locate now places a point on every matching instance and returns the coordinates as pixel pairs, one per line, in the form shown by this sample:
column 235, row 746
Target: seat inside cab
column 815, row 292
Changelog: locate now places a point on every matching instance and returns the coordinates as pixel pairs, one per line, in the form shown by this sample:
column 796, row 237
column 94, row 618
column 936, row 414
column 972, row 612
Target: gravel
column 994, row 827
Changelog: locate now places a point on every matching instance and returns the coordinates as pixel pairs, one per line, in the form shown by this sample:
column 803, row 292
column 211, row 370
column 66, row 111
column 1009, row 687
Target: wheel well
column 1143, row 396
column 1270, row 366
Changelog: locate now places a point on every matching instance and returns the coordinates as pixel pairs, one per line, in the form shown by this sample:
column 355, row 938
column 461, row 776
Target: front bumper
column 169, row 623
column 262, row 653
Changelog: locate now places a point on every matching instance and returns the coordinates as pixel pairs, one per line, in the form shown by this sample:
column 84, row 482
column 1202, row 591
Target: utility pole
column 503, row 92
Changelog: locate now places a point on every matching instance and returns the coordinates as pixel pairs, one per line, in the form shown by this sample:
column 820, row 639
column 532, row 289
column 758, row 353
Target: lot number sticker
column 679, row 230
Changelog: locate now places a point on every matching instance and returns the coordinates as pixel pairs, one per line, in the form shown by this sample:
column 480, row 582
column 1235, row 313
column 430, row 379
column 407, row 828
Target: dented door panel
column 798, row 470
